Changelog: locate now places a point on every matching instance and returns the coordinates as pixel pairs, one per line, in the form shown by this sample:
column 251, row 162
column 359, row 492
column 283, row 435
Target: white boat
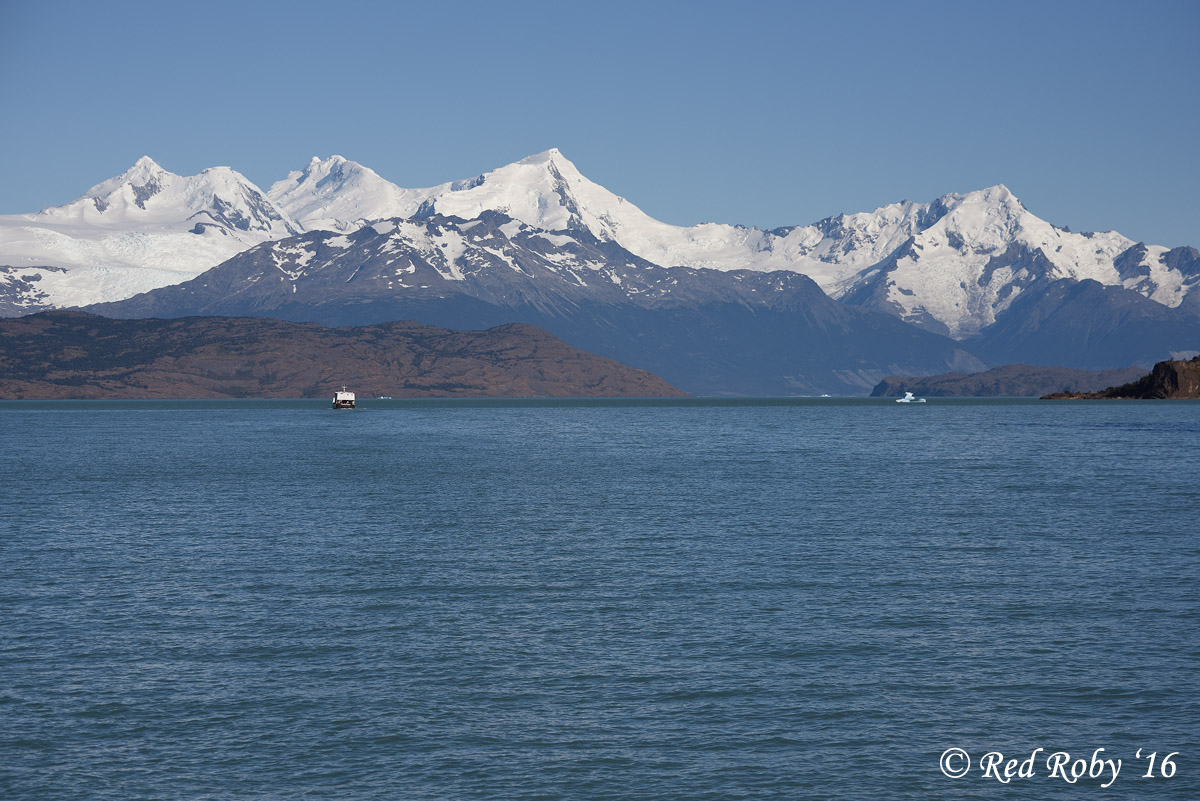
column 343, row 399
column 908, row 398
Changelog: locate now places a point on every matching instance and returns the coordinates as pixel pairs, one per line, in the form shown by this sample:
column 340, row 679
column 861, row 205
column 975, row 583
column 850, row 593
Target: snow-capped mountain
column 705, row 330
column 951, row 265
column 547, row 191
column 336, row 194
column 148, row 197
column 713, row 331
column 142, row 229
column 972, row 257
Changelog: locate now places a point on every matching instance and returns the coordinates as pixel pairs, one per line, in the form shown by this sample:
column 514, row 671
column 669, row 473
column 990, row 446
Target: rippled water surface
column 594, row 600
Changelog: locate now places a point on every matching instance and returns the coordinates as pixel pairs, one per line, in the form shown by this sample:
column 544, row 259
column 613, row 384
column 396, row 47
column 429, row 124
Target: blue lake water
column 683, row 599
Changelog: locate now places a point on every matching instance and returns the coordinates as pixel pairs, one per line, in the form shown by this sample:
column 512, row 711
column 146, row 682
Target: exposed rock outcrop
column 1175, row 380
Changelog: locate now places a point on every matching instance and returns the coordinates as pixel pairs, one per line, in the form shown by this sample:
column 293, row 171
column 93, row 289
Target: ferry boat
column 343, row 399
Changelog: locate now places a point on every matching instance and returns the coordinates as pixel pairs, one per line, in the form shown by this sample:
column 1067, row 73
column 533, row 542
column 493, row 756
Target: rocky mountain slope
column 1010, row 381
column 75, row 355
column 1174, row 379
column 1086, row 325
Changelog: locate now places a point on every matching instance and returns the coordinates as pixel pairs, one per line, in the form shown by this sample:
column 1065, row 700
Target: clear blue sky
column 758, row 113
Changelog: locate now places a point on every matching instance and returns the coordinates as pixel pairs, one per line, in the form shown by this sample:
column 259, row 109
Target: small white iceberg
column 908, row 398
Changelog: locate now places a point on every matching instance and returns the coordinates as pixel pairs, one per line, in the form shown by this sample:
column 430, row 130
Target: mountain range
column 706, row 331
column 972, row 278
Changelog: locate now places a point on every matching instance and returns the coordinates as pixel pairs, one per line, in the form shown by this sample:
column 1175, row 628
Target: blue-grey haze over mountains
column 764, row 114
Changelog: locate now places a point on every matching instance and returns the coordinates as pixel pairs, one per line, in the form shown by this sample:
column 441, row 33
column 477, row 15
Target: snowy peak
column 992, row 219
column 970, row 258
column 142, row 229
column 544, row 190
column 331, row 174
column 336, row 194
column 548, row 165
column 545, row 157
column 987, row 215
column 998, row 195
column 143, row 172
column 225, row 197
column 146, row 197
column 143, row 180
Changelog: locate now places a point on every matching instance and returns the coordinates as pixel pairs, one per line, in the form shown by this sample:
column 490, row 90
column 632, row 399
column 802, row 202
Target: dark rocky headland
column 1173, row 380
column 61, row 355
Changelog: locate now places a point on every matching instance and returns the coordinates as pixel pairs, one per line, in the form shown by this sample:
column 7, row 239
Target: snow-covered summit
column 336, row 194
column 968, row 256
column 144, row 171
column 147, row 197
column 142, row 229
column 544, row 190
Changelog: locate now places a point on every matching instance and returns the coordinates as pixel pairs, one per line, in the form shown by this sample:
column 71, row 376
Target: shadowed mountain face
column 75, row 355
column 1087, row 325
column 710, row 332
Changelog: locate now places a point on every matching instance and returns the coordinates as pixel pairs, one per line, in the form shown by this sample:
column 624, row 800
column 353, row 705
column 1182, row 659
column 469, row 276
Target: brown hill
column 76, row 355
column 1175, row 380
column 1010, row 380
